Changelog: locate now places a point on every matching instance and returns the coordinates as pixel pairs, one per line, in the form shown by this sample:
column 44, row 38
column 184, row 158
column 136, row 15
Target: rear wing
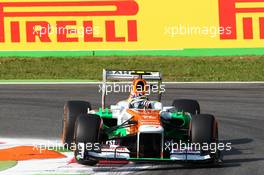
column 130, row 75
column 123, row 75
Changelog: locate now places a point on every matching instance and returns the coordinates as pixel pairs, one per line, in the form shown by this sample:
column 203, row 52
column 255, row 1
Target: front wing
column 120, row 153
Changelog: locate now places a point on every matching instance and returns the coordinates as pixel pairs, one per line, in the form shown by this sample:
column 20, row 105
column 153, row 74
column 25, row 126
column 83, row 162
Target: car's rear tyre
column 72, row 109
column 204, row 130
column 87, row 130
column 187, row 105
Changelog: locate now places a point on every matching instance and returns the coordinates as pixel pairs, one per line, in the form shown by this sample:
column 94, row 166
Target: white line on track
column 126, row 82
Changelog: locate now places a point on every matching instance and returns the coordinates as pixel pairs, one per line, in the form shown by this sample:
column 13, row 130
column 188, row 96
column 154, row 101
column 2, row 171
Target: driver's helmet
column 139, row 89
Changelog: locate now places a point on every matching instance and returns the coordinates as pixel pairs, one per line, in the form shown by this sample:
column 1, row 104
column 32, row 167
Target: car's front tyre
column 204, row 130
column 87, row 129
column 72, row 109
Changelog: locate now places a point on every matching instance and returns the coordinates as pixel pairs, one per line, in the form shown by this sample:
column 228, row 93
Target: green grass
column 6, row 165
column 173, row 68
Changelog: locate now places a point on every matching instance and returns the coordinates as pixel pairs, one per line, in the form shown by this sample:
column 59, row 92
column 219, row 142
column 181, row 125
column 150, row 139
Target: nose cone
column 150, row 129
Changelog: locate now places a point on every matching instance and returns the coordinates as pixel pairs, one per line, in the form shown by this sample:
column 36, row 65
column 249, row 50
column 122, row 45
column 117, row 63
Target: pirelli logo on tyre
column 59, row 21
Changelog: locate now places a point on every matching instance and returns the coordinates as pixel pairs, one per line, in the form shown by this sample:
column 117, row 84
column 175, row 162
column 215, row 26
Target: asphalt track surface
column 35, row 111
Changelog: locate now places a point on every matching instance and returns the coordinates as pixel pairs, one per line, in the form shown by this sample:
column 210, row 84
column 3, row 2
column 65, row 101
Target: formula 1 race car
column 138, row 129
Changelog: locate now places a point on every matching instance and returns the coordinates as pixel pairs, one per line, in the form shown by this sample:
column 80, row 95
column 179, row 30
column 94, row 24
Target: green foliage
column 173, row 68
